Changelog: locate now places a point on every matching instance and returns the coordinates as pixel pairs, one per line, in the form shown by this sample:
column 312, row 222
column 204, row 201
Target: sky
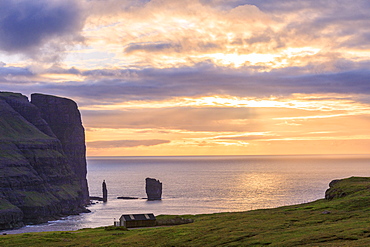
column 198, row 77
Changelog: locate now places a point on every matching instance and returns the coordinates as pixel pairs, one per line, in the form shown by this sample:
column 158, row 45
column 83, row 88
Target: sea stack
column 105, row 192
column 153, row 189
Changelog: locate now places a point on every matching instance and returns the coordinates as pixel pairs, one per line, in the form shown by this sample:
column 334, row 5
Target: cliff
column 42, row 159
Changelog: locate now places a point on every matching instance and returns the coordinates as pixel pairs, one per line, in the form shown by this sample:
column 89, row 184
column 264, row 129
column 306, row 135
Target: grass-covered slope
column 341, row 221
column 13, row 126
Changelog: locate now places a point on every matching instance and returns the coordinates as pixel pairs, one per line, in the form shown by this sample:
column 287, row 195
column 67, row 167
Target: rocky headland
column 42, row 159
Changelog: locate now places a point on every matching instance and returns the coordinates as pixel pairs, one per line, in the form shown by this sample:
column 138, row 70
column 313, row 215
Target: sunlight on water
column 257, row 188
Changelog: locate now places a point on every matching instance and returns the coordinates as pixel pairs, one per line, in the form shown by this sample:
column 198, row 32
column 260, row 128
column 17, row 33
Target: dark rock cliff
column 64, row 119
column 42, row 159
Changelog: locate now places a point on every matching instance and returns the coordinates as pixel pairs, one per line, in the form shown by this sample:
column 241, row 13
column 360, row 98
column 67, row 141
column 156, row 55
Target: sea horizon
column 223, row 155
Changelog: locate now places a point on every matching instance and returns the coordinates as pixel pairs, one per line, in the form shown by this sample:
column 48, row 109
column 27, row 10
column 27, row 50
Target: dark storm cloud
column 125, row 143
column 25, row 26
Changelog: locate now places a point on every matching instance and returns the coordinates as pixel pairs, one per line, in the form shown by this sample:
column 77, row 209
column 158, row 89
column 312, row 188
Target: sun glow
column 62, row 77
column 321, row 103
column 238, row 60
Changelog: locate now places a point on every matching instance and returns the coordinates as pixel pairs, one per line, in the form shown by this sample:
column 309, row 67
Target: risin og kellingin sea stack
column 42, row 159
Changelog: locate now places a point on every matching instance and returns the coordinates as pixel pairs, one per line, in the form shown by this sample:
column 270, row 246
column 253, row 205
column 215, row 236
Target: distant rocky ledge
column 127, row 197
column 42, row 159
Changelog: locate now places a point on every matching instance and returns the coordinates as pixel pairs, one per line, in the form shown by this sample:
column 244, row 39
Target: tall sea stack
column 153, row 189
column 105, row 192
column 42, row 159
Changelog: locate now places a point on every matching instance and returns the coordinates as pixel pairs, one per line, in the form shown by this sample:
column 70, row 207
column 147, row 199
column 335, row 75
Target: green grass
column 13, row 126
column 343, row 221
column 6, row 205
column 13, row 95
column 36, row 199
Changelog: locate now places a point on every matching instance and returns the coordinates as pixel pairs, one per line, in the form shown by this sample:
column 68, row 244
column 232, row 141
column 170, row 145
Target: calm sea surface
column 207, row 184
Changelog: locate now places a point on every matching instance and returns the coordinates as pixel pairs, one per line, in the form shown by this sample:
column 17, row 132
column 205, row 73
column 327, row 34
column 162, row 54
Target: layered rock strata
column 42, row 159
column 64, row 119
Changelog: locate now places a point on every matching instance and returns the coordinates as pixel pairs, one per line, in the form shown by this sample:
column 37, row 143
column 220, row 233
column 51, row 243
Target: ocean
column 206, row 184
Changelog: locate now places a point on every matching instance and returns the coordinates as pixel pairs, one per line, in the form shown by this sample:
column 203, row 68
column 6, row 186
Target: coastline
column 180, row 199
column 340, row 220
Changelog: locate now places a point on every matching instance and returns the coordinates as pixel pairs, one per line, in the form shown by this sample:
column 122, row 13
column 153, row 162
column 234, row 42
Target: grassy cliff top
column 13, row 126
column 342, row 221
column 14, row 95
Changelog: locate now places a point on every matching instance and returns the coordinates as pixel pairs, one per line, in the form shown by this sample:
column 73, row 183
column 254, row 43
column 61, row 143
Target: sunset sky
column 198, row 77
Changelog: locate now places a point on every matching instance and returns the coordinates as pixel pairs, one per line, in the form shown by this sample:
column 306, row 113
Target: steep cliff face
column 64, row 119
column 40, row 177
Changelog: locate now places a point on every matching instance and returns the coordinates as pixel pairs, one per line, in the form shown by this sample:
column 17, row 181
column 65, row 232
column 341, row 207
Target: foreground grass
column 343, row 221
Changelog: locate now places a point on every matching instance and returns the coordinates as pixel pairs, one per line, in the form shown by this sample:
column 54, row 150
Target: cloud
column 14, row 71
column 26, row 27
column 320, row 21
column 224, row 4
column 183, row 118
column 158, row 84
column 125, row 143
column 113, row 7
column 151, row 47
column 177, row 29
column 247, row 138
column 59, row 70
column 107, row 86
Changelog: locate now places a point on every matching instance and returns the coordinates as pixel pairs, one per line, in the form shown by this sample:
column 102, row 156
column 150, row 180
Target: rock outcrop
column 105, row 192
column 153, row 189
column 346, row 187
column 42, row 159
